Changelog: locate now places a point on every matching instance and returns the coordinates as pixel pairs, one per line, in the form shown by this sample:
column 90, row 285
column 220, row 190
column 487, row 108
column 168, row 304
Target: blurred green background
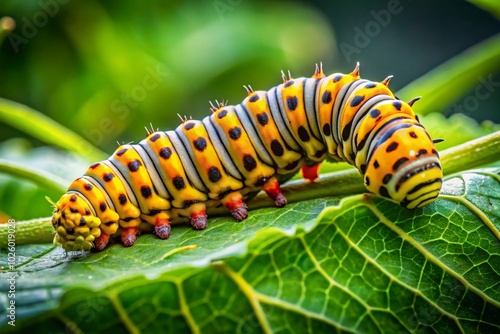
column 108, row 69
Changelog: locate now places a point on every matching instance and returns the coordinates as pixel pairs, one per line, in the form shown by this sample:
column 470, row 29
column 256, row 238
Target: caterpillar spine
column 249, row 147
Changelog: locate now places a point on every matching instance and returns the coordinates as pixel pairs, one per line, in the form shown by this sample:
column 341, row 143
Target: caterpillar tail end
column 76, row 228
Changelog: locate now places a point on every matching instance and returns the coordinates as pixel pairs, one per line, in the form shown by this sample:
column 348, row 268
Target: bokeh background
column 84, row 62
column 107, row 69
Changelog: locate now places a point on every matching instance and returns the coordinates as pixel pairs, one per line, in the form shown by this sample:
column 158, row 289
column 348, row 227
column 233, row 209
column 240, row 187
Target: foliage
column 361, row 265
column 334, row 259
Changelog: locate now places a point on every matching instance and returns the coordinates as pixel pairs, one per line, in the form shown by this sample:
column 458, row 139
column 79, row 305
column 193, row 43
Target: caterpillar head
column 76, row 227
column 404, row 166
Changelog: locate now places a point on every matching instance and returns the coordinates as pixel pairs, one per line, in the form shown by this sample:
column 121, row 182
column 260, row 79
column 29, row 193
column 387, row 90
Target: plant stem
column 35, row 231
column 345, row 182
column 472, row 154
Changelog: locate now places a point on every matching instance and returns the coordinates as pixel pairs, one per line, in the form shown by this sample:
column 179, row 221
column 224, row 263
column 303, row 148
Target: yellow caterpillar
column 248, row 147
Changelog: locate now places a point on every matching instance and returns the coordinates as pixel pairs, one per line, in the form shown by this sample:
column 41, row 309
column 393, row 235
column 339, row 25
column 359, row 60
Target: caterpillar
column 255, row 145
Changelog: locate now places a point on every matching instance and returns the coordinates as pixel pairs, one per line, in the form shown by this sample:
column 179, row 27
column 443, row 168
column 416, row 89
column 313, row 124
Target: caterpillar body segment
column 249, row 147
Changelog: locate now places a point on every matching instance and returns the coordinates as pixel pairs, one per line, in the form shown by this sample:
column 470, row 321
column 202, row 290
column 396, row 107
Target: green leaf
column 22, row 200
column 40, row 177
column 491, row 6
column 31, row 175
column 362, row 265
column 46, row 129
column 456, row 130
column 454, row 78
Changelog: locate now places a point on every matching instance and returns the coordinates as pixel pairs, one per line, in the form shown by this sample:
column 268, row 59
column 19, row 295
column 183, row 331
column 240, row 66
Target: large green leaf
column 361, row 265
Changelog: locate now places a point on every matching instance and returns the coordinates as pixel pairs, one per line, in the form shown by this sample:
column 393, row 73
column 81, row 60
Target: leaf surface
column 360, row 264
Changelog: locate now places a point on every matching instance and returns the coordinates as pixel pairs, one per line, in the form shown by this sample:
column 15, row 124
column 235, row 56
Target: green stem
column 37, row 176
column 341, row 183
column 474, row 153
column 42, row 127
column 35, row 231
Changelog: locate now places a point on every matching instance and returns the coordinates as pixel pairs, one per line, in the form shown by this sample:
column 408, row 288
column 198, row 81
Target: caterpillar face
column 172, row 175
column 76, row 226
